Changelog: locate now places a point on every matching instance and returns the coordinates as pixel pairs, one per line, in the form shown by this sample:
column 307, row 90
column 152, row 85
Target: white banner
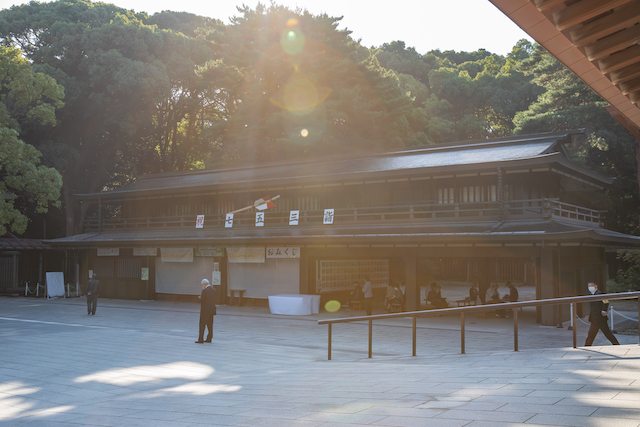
column 228, row 223
column 247, row 254
column 176, row 254
column 108, row 251
column 328, row 216
column 294, row 216
column 283, row 252
column 145, row 251
column 200, row 221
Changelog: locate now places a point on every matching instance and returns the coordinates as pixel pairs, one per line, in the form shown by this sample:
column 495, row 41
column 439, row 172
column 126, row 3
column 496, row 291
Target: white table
column 294, row 304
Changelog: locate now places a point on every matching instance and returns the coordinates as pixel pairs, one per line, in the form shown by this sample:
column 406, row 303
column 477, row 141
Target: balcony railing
column 436, row 212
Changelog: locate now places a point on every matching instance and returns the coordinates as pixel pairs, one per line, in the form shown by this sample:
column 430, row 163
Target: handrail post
column 515, row 329
column 329, row 341
column 638, row 320
column 370, row 337
column 414, row 335
column 462, row 350
column 573, row 321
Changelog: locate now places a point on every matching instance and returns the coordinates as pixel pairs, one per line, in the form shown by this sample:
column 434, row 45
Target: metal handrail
column 482, row 308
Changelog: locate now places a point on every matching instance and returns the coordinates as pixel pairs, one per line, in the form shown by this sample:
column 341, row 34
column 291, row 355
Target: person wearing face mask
column 598, row 318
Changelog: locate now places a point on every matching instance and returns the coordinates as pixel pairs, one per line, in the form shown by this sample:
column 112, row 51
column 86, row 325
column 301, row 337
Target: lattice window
column 340, row 275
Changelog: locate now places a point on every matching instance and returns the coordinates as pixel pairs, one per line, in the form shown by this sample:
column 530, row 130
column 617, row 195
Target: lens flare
column 332, row 306
column 304, row 133
column 292, row 39
column 300, row 94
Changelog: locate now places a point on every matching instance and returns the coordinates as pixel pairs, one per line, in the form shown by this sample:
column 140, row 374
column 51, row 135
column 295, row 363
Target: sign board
column 144, row 274
column 228, row 223
column 209, row 252
column 294, row 216
column 246, row 254
column 145, row 251
column 259, row 219
column 200, row 221
column 328, row 216
column 216, row 278
column 283, row 252
column 55, row 284
column 108, row 251
column 176, row 254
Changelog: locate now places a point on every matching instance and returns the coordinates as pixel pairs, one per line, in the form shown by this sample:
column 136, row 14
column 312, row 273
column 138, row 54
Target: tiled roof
column 484, row 152
column 10, row 244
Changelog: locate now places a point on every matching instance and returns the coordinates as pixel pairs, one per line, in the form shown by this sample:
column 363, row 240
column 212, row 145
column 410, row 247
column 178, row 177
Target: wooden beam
column 630, row 86
column 613, row 43
column 626, row 123
column 543, row 5
column 634, row 97
column 619, row 60
column 621, row 18
column 625, row 74
column 584, row 10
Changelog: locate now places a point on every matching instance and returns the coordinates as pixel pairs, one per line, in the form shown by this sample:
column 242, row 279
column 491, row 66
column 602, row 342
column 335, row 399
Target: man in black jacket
column 598, row 318
column 92, row 292
column 207, row 310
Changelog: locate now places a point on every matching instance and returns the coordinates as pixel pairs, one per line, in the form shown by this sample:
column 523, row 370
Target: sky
column 461, row 25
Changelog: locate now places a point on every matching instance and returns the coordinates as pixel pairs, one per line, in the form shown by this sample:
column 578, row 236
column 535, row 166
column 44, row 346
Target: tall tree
column 26, row 98
column 568, row 103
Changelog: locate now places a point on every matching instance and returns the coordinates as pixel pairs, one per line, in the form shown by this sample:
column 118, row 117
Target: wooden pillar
column 548, row 285
column 412, row 290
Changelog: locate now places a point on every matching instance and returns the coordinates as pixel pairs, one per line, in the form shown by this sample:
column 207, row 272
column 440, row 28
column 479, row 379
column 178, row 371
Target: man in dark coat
column 207, row 310
column 92, row 292
column 598, row 318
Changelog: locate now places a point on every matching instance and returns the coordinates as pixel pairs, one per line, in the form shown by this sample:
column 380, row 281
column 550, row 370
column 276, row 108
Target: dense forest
column 94, row 95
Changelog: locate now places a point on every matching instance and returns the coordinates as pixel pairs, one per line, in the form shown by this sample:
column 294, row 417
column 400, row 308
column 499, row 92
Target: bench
column 232, row 294
column 463, row 302
column 396, row 307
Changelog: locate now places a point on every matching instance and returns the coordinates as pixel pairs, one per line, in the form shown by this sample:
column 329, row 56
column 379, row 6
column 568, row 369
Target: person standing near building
column 367, row 290
column 207, row 310
column 598, row 318
column 92, row 292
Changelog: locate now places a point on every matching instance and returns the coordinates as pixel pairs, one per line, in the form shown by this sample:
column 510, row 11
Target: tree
column 568, row 103
column 25, row 98
column 136, row 102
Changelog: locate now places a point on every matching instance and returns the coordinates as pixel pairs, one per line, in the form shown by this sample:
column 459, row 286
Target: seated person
column 389, row 296
column 355, row 295
column 399, row 296
column 493, row 296
column 473, row 293
column 435, row 297
column 512, row 296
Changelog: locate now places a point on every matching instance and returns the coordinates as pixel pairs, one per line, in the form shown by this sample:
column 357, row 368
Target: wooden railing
column 531, row 208
column 514, row 306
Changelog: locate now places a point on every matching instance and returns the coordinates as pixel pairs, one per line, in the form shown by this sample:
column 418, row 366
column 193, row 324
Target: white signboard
column 328, row 216
column 246, row 254
column 294, row 217
column 108, row 251
column 259, row 219
column 216, row 278
column 145, row 251
column 283, row 252
column 200, row 221
column 228, row 223
column 176, row 254
column 55, row 284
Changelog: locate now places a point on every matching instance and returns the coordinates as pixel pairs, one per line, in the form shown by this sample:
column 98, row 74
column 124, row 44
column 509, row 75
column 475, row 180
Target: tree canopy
column 26, row 99
column 177, row 91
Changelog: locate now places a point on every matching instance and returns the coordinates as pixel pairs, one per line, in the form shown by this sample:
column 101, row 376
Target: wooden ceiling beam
column 630, row 86
column 543, row 5
column 619, row 60
column 584, row 10
column 634, row 97
column 613, row 43
column 621, row 18
column 624, row 75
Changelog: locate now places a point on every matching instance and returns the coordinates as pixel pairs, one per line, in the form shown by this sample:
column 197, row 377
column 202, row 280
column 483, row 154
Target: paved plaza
column 135, row 363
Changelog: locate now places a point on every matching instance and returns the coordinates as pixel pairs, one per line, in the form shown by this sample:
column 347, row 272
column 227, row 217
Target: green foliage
column 627, row 280
column 568, row 103
column 25, row 97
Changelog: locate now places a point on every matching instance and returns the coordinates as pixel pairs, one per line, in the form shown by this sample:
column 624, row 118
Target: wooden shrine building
column 486, row 211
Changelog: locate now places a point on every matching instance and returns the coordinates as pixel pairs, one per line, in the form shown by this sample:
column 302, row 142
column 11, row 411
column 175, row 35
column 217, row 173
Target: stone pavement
column 135, row 364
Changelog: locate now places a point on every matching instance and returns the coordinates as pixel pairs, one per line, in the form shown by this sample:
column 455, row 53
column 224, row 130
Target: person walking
column 92, row 292
column 598, row 318
column 207, row 310
column 367, row 290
